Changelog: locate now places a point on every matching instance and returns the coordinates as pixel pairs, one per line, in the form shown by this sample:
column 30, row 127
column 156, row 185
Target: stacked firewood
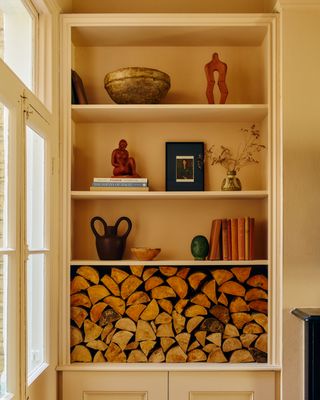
column 169, row 314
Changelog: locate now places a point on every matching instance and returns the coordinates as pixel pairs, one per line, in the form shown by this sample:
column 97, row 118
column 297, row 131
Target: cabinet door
column 98, row 385
column 222, row 386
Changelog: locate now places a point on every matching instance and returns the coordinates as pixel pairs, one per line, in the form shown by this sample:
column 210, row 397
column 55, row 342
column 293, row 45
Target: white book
column 120, row 179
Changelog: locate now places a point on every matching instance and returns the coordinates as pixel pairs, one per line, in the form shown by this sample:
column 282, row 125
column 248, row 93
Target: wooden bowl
column 144, row 253
column 137, row 85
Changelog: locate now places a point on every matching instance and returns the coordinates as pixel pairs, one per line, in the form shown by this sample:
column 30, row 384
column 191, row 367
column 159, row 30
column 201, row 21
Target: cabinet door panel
column 222, row 386
column 100, row 385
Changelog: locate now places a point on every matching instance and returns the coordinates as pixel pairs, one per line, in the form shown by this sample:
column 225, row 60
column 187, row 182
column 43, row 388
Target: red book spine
column 234, row 239
column 241, row 238
column 214, row 253
column 251, row 239
column 229, row 240
column 225, row 245
column 246, row 237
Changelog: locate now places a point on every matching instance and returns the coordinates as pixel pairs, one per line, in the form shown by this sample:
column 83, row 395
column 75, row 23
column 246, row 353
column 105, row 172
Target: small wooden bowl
column 144, row 253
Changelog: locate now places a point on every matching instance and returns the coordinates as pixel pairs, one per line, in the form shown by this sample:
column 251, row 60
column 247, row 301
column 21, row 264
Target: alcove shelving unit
column 179, row 44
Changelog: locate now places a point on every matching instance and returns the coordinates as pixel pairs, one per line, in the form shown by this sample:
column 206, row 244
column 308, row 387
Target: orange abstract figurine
column 216, row 65
column 124, row 165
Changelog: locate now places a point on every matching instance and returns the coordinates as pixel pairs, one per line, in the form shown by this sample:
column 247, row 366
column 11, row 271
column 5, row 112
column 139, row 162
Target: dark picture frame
column 78, row 94
column 184, row 166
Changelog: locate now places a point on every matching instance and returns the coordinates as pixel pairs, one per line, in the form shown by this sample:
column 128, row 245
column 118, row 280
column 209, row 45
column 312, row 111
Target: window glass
column 17, row 25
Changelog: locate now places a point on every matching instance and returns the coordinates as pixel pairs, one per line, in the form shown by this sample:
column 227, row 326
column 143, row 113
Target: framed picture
column 184, row 166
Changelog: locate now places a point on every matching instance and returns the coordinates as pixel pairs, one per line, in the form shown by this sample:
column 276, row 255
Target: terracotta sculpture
column 216, row 65
column 124, row 165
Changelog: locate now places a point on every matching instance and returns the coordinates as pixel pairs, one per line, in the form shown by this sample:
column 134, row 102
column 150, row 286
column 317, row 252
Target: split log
column 89, row 273
column 118, row 275
column 75, row 336
column 252, row 327
column 92, row 331
column 194, row 345
column 212, row 325
column 193, row 323
column 201, row 300
column 233, row 288
column 153, row 282
column 78, row 315
column 97, row 292
column 166, row 305
column 129, row 285
column 221, row 276
column 262, row 343
column 157, row 356
column 147, row 346
column 259, row 281
column 240, row 319
column 241, row 273
column 210, row 347
column 179, row 322
column 132, row 345
column 163, row 318
column 135, row 311
column 144, row 331
column 238, row 305
column 262, row 320
column 178, row 285
column 137, row 270
column 215, row 338
column 247, row 339
column 106, row 330
column 115, row 354
column 98, row 357
column 183, row 272
column 137, row 356
column 126, row 324
column 138, row 298
column 259, row 356
column 96, row 311
column 107, row 316
column 209, row 289
column 216, row 356
column 151, row 311
column 223, row 299
column 97, row 345
column 195, row 279
column 180, row 305
column 122, row 338
column 221, row 313
column 196, row 355
column 78, row 283
column 165, row 330
column 176, row 355
column 195, row 310
column 80, row 354
column 110, row 336
column 241, row 356
column 255, row 294
column 166, row 343
column 162, row 292
column 80, row 299
column 259, row 305
column 168, row 271
column 111, row 285
column 148, row 272
column 201, row 337
column 231, row 344
column 230, row 331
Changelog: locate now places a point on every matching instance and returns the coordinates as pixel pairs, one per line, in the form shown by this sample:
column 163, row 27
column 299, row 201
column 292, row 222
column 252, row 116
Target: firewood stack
column 169, row 314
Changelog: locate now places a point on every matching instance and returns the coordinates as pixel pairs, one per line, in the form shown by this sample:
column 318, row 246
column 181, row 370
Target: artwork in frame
column 184, row 166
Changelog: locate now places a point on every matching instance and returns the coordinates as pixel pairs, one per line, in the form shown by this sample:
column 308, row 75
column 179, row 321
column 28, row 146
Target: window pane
column 35, row 190
column 17, row 27
column 35, row 311
column 3, row 176
column 3, row 323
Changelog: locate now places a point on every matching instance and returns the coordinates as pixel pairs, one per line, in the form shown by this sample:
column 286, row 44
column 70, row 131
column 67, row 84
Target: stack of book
column 232, row 239
column 117, row 184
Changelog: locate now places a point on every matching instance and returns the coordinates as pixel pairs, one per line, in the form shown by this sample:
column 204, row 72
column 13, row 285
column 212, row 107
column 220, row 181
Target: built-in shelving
column 191, row 263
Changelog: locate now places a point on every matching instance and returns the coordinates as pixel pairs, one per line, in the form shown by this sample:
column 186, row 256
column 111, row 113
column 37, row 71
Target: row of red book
column 232, row 239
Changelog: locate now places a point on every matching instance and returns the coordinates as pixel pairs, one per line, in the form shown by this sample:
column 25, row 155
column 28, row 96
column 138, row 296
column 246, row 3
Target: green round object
column 199, row 247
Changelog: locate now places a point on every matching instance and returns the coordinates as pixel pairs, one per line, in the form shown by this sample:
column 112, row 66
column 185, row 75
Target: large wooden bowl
column 137, row 85
column 144, row 253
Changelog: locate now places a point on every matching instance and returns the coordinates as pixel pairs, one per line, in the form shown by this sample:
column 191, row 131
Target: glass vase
column 231, row 182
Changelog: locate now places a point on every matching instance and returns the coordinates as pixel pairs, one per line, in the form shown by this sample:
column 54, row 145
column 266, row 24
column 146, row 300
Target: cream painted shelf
column 191, row 263
column 161, row 195
column 169, row 113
